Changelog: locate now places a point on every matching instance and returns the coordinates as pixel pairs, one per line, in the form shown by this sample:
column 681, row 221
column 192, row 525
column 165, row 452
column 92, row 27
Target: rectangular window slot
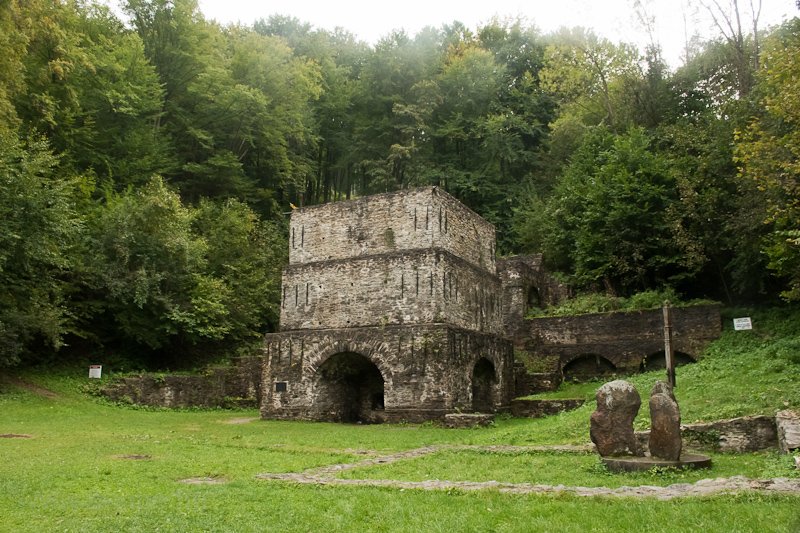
column 281, row 386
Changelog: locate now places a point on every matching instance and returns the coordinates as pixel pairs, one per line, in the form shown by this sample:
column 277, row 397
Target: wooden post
column 670, row 363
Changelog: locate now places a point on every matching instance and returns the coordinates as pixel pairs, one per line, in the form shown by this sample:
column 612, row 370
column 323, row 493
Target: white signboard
column 740, row 324
column 95, row 371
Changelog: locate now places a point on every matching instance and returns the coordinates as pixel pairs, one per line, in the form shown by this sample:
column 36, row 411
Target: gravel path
column 705, row 487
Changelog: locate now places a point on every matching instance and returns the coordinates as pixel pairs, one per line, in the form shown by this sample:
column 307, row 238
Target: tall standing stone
column 611, row 425
column 665, row 423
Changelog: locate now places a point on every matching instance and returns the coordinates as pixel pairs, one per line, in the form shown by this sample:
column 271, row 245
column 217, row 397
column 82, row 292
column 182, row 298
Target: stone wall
column 625, row 340
column 540, row 408
column 238, row 385
column 526, row 284
column 409, row 287
column 426, row 370
column 526, row 383
column 421, row 218
column 745, row 434
column 736, row 435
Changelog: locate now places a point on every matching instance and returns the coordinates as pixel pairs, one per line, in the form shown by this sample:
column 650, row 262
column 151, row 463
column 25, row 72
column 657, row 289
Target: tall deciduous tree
column 768, row 151
column 39, row 229
column 608, row 221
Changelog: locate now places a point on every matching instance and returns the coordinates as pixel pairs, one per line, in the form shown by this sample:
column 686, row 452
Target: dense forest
column 147, row 164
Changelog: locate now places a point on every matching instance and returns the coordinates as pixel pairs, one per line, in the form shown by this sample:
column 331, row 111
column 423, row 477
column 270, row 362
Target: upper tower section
column 417, row 219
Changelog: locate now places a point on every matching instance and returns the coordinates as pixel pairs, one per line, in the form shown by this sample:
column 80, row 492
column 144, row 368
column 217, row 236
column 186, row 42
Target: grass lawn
column 91, row 466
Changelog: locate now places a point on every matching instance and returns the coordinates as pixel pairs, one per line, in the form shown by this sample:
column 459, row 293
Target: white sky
column 370, row 20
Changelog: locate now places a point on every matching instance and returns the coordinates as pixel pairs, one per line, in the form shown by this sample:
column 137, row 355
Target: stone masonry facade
column 390, row 310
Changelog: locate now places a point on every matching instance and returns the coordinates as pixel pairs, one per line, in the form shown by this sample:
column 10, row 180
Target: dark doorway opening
column 349, row 388
column 588, row 367
column 484, row 379
column 658, row 360
column 533, row 304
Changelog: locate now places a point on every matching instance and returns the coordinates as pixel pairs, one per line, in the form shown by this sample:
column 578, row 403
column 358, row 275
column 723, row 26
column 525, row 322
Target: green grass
column 72, row 474
column 571, row 469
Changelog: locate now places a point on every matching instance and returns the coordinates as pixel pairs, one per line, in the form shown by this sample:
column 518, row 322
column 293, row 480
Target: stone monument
column 611, row 425
column 611, row 429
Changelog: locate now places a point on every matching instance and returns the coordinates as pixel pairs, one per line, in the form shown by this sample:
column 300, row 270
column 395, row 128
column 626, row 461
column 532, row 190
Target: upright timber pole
column 668, row 344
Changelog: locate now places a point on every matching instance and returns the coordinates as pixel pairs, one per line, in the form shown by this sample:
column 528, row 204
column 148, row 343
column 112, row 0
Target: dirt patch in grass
column 15, row 436
column 134, row 457
column 30, row 387
column 236, row 421
column 204, row 481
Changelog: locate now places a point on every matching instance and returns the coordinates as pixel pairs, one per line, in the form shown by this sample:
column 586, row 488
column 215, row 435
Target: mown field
column 80, row 464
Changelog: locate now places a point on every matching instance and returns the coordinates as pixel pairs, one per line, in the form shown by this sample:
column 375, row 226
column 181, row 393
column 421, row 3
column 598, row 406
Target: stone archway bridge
column 623, row 342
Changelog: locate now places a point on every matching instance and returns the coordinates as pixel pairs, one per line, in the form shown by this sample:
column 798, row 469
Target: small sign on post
column 741, row 324
column 95, row 371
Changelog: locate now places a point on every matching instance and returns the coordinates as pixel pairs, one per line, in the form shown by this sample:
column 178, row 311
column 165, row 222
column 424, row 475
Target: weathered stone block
column 611, row 425
column 467, row 420
column 744, row 434
column 665, row 424
column 788, row 426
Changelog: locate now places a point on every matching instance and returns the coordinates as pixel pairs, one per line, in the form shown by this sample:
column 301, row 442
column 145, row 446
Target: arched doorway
column 588, row 367
column 658, row 360
column 533, row 303
column 484, row 379
column 349, row 388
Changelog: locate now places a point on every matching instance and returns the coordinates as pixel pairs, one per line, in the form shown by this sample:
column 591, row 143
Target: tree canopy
column 146, row 164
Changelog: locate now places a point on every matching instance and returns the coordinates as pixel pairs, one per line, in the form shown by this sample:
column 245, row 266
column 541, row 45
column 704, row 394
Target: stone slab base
column 640, row 464
column 472, row 420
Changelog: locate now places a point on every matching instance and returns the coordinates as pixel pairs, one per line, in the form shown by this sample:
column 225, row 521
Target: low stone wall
column 745, row 434
column 526, row 383
column 238, row 385
column 467, row 420
column 540, row 408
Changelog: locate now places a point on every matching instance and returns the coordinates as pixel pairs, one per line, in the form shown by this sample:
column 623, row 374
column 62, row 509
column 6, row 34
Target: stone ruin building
column 390, row 310
column 393, row 307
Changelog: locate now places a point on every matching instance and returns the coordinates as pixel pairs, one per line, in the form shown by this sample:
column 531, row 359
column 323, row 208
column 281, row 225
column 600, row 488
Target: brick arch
column 376, row 352
column 484, row 379
column 603, row 365
column 657, row 359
